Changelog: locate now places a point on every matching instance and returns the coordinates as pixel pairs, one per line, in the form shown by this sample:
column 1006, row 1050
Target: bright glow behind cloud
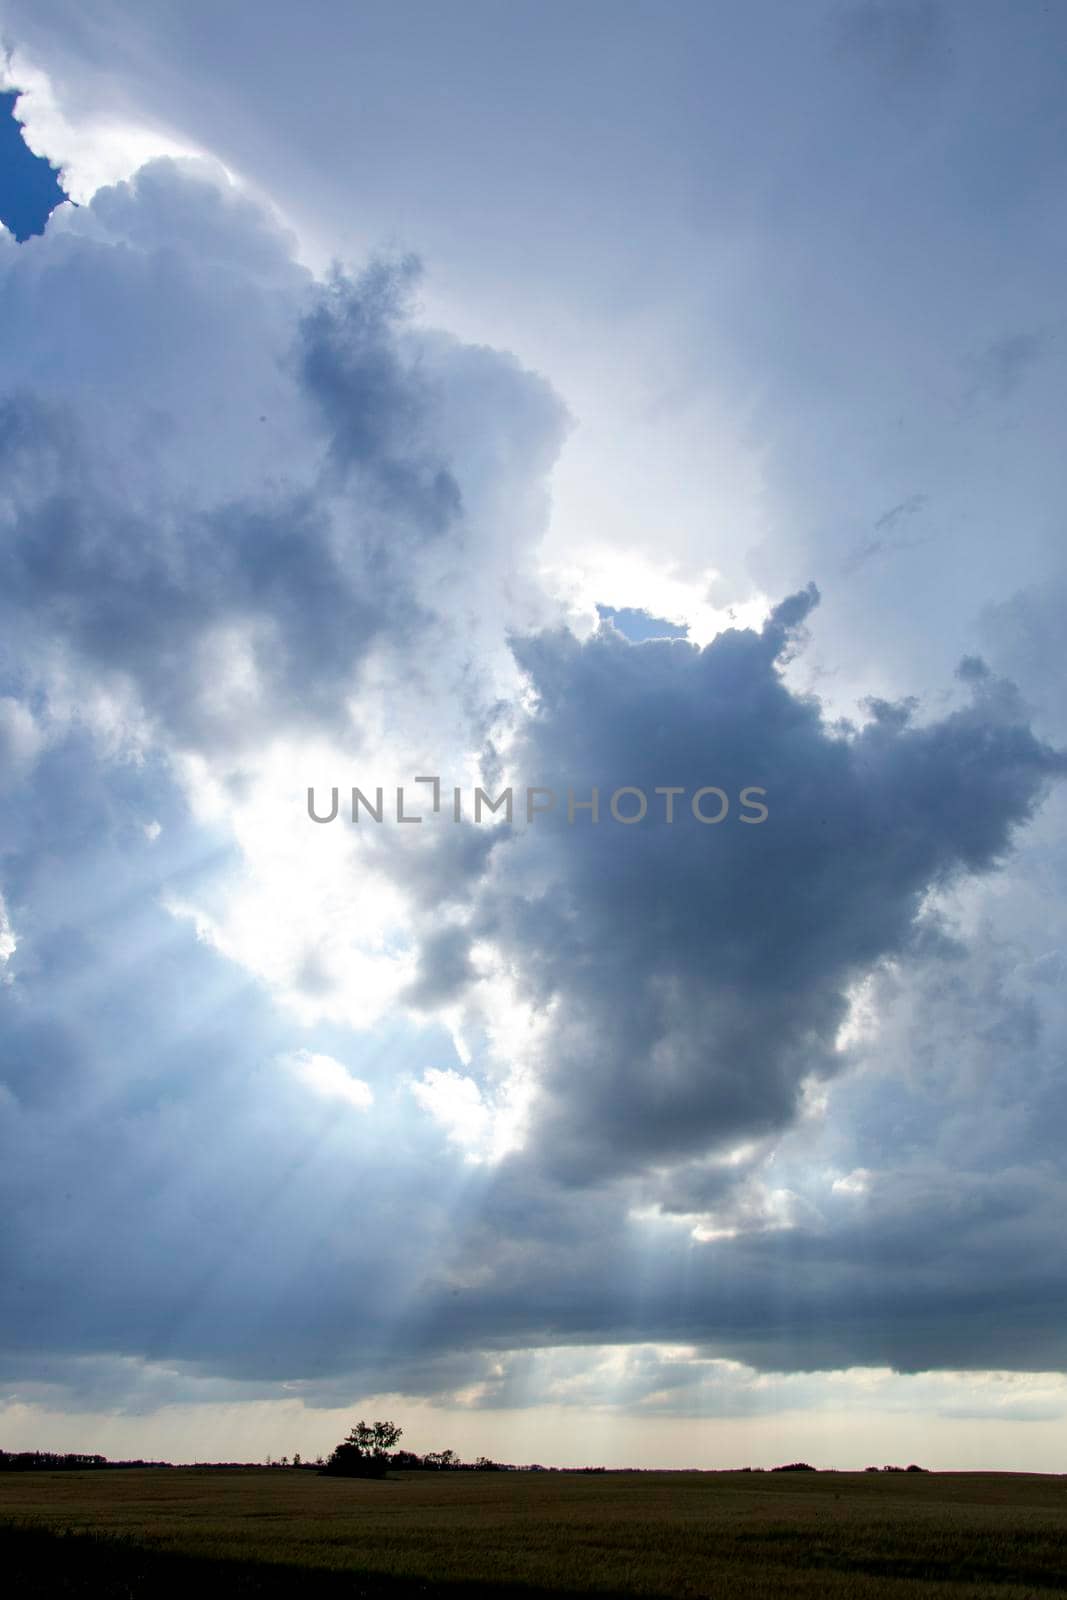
column 92, row 150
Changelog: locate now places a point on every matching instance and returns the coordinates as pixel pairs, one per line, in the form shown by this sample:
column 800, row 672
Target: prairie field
column 738, row 1536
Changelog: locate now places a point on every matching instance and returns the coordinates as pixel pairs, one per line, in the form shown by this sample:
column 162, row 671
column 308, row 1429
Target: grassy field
column 737, row 1536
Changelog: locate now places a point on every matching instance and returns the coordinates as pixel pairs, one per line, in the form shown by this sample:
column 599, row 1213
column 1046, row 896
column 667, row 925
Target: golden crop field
column 739, row 1536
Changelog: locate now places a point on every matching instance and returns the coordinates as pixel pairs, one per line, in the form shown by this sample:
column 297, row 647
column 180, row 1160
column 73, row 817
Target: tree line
column 47, row 1461
column 368, row 1450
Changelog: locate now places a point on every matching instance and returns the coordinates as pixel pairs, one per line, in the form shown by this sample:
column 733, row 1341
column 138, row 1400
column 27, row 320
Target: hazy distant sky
column 586, row 394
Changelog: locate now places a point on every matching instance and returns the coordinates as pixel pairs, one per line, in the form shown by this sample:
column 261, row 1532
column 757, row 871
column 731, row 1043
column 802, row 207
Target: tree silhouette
column 364, row 1452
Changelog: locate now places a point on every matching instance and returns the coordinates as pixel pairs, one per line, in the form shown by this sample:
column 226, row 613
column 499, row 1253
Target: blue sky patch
column 29, row 186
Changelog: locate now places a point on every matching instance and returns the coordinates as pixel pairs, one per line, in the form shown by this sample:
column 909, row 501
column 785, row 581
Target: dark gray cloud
column 233, row 539
column 1004, row 364
column 149, row 603
column 900, row 43
column 698, row 974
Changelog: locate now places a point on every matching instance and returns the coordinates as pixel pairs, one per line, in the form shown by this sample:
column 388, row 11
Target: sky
column 31, row 190
column 651, row 412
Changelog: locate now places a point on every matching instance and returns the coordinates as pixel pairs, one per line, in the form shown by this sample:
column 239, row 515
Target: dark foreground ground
column 734, row 1536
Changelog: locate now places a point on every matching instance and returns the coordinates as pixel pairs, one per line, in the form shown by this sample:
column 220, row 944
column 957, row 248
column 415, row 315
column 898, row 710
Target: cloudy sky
column 557, row 397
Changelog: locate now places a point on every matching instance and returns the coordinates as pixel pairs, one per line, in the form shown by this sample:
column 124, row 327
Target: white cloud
column 330, row 1079
column 21, row 740
column 7, row 939
column 856, row 1182
column 455, row 1103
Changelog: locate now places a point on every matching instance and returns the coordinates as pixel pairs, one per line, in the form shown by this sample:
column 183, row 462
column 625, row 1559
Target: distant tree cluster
column 73, row 1461
column 368, row 1451
column 364, row 1452
column 47, row 1461
column 804, row 1466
